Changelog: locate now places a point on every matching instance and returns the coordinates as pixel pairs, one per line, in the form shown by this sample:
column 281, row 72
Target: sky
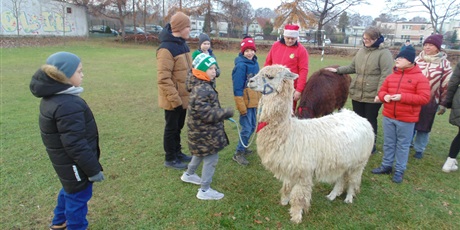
column 374, row 9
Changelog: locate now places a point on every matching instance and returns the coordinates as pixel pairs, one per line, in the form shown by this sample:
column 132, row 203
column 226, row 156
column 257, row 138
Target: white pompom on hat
column 291, row 31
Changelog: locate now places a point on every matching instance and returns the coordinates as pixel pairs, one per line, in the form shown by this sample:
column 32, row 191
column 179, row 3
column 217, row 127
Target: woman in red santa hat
column 290, row 53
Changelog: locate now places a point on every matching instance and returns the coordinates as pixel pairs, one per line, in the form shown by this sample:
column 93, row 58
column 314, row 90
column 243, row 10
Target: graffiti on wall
column 47, row 22
column 41, row 17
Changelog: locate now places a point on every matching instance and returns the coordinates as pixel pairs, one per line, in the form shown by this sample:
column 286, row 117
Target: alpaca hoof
column 331, row 197
column 297, row 219
column 349, row 200
column 285, row 202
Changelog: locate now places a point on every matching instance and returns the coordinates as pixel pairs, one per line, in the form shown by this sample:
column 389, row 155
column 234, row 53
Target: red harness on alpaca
column 260, row 126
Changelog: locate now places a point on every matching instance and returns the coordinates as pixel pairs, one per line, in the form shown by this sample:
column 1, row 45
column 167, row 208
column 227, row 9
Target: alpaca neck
column 276, row 108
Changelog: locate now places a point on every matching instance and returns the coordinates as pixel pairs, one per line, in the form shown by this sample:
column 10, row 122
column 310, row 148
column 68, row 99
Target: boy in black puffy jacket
column 70, row 135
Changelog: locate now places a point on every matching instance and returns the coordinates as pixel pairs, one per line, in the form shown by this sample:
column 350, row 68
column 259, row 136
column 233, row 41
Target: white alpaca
column 332, row 149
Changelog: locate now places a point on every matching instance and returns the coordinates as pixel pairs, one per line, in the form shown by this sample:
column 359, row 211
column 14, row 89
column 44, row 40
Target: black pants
column 370, row 111
column 455, row 146
column 171, row 139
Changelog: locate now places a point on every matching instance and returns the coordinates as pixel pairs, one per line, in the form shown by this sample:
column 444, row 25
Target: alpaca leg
column 300, row 201
column 354, row 183
column 338, row 188
column 285, row 193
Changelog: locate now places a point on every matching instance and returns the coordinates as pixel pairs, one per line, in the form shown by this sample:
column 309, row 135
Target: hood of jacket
column 166, row 35
column 47, row 81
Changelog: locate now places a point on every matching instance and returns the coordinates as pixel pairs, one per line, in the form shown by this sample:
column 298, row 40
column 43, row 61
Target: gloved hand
column 240, row 105
column 228, row 113
column 178, row 108
column 97, row 178
column 442, row 110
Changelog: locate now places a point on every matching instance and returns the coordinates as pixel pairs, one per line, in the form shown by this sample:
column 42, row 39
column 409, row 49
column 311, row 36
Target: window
column 423, row 28
column 69, row 10
column 405, row 37
column 406, row 27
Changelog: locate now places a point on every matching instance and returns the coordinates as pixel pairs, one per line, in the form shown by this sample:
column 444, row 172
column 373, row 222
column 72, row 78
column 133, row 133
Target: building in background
column 42, row 18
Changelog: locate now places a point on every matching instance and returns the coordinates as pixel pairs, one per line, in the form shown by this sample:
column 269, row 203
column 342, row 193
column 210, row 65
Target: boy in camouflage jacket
column 205, row 122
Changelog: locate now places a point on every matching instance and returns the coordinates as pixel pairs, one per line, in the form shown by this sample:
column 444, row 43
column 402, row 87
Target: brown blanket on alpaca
column 325, row 92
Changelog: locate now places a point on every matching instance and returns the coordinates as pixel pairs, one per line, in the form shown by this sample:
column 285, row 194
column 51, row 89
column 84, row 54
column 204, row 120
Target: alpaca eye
column 269, row 77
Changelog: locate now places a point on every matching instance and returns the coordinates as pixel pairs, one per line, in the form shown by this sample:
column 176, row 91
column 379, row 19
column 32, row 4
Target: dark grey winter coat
column 68, row 130
column 453, row 96
column 205, row 119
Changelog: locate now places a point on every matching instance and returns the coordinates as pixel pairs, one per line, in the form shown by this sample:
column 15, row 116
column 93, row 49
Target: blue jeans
column 73, row 208
column 248, row 126
column 397, row 136
column 421, row 141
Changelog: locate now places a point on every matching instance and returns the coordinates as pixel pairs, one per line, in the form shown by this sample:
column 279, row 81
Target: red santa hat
column 291, row 31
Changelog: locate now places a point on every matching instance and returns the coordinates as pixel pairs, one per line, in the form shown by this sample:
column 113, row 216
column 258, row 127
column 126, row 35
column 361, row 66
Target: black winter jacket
column 68, row 130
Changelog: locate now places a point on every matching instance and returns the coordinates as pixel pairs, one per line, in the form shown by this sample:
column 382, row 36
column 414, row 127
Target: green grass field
column 140, row 193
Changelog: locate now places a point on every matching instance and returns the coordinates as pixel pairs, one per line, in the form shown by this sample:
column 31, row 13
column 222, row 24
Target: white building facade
column 42, row 18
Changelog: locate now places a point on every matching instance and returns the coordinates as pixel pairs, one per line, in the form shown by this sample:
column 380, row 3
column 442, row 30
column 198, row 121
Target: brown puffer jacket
column 174, row 63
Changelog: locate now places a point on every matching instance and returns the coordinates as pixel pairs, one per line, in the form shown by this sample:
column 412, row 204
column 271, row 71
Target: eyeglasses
column 367, row 39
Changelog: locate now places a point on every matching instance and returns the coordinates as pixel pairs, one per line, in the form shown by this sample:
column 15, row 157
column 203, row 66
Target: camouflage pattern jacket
column 205, row 121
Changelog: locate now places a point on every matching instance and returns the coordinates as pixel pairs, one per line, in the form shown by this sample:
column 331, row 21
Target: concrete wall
column 42, row 18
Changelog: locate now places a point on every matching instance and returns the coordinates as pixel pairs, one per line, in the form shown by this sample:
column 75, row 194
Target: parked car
column 102, row 30
column 258, row 37
column 313, row 41
column 195, row 34
column 303, row 40
column 154, row 29
column 130, row 30
column 327, row 41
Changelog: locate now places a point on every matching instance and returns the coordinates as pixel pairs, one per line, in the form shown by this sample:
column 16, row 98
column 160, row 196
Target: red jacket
column 293, row 57
column 415, row 92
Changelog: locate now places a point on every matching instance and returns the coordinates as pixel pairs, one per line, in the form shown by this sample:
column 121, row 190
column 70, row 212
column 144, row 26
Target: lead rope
column 241, row 140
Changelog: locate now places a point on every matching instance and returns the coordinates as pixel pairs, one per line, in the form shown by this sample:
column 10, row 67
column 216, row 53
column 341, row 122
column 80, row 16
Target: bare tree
column 234, row 16
column 313, row 12
column 439, row 10
column 115, row 9
column 264, row 13
column 294, row 12
column 16, row 5
column 328, row 10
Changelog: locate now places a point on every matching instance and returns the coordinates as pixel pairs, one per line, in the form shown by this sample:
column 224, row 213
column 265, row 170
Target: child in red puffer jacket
column 403, row 93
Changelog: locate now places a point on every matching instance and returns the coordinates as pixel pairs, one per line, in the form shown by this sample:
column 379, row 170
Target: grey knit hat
column 65, row 62
column 202, row 38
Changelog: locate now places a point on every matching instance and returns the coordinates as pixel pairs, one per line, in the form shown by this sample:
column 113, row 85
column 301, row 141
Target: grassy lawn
column 140, row 193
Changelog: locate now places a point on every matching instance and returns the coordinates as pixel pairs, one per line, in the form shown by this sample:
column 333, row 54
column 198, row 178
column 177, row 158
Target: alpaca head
column 271, row 79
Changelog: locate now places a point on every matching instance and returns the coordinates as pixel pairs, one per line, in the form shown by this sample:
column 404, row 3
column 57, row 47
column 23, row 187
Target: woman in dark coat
column 453, row 102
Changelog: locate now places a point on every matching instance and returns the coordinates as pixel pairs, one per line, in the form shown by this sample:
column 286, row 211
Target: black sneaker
column 183, row 158
column 418, row 155
column 398, row 177
column 175, row 164
column 382, row 170
column 248, row 152
column 58, row 226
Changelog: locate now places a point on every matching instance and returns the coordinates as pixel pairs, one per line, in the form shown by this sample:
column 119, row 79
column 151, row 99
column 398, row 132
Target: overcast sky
column 374, row 9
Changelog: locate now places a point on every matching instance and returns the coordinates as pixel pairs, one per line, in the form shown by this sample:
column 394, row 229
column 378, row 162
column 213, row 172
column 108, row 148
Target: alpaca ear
column 291, row 75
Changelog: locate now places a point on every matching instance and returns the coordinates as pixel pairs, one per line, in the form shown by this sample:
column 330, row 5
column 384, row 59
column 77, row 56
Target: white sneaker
column 210, row 194
column 450, row 165
column 194, row 179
